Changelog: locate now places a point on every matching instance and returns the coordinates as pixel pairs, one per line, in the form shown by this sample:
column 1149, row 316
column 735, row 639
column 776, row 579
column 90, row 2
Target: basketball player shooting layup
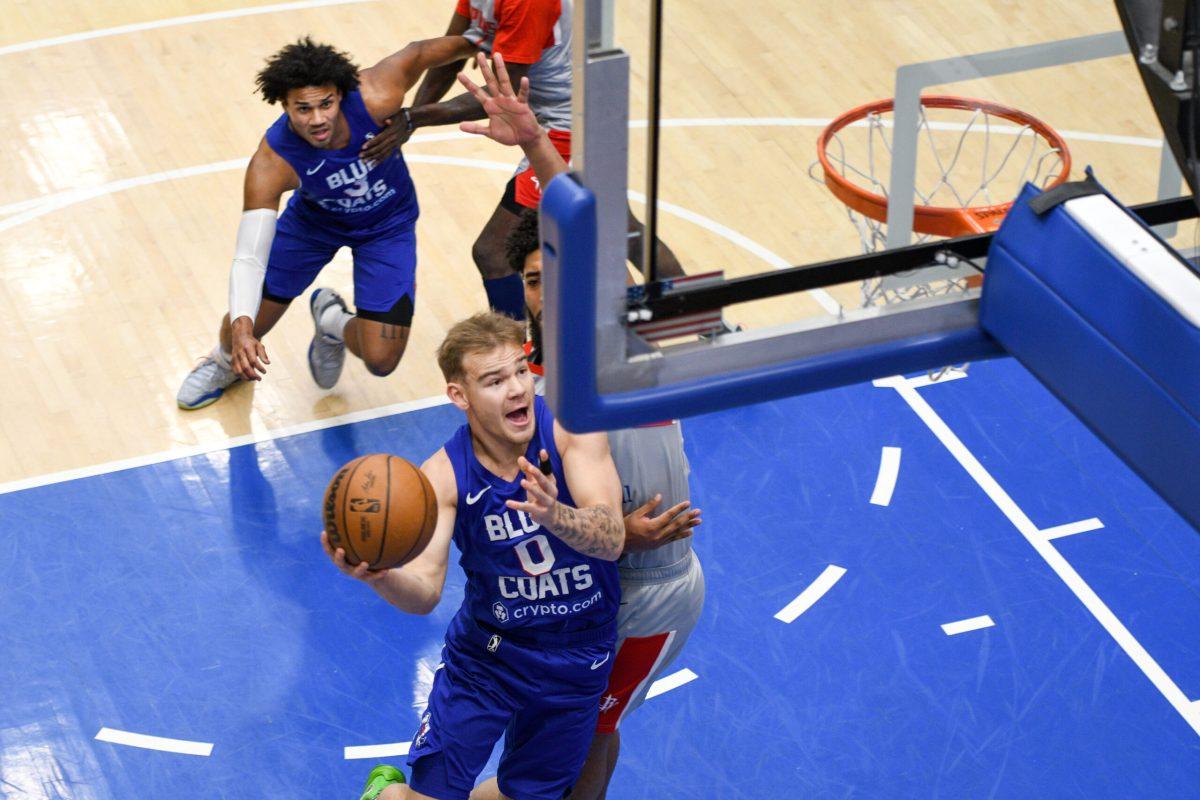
column 528, row 654
column 534, row 37
column 341, row 200
column 662, row 584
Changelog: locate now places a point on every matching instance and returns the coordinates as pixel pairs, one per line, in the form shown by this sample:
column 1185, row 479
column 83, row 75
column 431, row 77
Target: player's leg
column 466, row 716
column 384, row 295
column 597, row 768
column 294, row 261
column 504, row 288
column 655, row 622
column 668, row 264
column 548, row 740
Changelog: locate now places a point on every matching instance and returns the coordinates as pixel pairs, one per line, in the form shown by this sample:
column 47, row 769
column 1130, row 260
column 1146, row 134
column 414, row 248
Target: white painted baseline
column 376, row 750
column 1091, row 601
column 814, row 592
column 672, row 681
column 885, row 480
column 182, row 746
column 236, row 441
column 966, row 625
column 170, row 22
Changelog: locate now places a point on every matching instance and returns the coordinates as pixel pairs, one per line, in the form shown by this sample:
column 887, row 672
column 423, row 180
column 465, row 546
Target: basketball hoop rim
column 945, row 221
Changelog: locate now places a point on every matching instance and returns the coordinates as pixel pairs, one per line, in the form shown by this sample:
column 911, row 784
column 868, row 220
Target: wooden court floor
column 123, row 162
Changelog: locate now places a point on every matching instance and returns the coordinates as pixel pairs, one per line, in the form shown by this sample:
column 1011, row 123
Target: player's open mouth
column 321, row 135
column 519, row 416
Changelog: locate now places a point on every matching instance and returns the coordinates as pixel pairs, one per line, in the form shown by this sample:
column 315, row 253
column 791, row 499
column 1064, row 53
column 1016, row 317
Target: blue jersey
column 521, row 578
column 340, row 190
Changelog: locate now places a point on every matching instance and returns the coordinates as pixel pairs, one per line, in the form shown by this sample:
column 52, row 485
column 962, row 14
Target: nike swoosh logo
column 601, row 663
column 313, row 171
column 471, row 498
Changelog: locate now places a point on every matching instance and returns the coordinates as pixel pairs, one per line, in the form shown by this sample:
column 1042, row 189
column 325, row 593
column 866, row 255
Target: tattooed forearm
column 595, row 531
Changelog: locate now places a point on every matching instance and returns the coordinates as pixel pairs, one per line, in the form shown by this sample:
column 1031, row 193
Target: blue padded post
column 1117, row 354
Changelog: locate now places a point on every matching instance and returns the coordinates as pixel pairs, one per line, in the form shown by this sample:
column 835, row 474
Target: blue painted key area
column 191, row 599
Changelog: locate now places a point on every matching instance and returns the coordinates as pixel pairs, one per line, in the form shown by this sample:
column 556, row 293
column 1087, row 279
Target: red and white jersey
column 536, row 32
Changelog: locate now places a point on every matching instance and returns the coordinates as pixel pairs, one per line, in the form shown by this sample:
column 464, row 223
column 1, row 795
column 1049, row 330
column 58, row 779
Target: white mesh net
column 967, row 157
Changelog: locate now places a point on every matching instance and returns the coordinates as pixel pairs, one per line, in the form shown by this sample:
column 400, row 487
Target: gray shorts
column 659, row 611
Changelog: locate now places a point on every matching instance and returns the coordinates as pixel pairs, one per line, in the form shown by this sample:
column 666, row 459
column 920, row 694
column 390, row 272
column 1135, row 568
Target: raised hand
column 644, row 532
column 249, row 355
column 510, row 119
column 541, row 493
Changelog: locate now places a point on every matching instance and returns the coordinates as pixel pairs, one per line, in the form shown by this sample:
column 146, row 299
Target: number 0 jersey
column 521, row 578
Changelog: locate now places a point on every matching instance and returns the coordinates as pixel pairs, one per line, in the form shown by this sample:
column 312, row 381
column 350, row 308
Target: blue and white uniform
column 343, row 201
column 528, row 654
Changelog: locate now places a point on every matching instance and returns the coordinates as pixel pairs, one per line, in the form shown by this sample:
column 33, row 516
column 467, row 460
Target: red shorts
column 635, row 664
column 528, row 191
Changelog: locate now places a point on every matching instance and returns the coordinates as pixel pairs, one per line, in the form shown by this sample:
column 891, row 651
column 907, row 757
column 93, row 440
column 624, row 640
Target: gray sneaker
column 326, row 355
column 206, row 383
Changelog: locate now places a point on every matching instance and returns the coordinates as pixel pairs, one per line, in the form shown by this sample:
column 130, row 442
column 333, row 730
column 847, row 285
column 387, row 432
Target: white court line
column 1072, row 528
column 236, row 441
column 672, row 681
column 1091, row 601
column 377, row 750
column 170, row 22
column 967, row 625
column 814, row 592
column 885, row 481
column 182, row 746
column 32, row 209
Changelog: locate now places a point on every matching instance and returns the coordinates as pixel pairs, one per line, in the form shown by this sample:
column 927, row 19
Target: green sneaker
column 380, row 778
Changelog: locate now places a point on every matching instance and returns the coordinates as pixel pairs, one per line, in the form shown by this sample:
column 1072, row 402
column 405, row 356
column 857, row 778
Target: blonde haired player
column 662, row 584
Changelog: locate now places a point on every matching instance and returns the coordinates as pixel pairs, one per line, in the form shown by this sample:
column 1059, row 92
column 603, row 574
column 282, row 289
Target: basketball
column 380, row 509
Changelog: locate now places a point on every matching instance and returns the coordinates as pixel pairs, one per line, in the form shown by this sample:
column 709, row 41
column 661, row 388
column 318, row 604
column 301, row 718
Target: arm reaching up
column 510, row 119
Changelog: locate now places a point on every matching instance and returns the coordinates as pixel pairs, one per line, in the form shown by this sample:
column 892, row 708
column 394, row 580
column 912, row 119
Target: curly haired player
column 330, row 110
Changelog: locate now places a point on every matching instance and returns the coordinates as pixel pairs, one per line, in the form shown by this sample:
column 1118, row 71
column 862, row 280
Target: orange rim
column 945, row 221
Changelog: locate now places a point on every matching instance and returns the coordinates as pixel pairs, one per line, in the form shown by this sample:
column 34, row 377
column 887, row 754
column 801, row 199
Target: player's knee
column 489, row 259
column 382, row 364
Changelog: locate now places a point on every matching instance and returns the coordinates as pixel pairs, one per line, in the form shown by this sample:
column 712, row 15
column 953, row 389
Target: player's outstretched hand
column 358, row 571
column 249, row 355
column 389, row 140
column 510, row 119
column 644, row 532
column 541, row 492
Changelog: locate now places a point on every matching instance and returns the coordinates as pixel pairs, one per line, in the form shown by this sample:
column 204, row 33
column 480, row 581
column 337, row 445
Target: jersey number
column 545, row 556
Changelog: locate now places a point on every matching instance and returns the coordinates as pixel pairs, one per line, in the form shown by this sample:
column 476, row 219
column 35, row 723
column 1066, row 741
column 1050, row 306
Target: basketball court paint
column 190, row 600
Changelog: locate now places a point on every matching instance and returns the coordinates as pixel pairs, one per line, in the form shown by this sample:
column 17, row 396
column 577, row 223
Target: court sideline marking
column 1040, row 542
column 170, row 22
column 146, row 742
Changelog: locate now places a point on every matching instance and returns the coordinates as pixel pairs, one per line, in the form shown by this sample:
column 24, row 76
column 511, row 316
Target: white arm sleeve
column 254, row 237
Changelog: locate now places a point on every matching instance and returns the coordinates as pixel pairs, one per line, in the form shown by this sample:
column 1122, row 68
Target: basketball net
column 974, row 157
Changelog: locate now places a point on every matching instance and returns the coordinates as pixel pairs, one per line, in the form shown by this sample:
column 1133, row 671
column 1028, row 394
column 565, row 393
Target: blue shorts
column 545, row 702
column 385, row 264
